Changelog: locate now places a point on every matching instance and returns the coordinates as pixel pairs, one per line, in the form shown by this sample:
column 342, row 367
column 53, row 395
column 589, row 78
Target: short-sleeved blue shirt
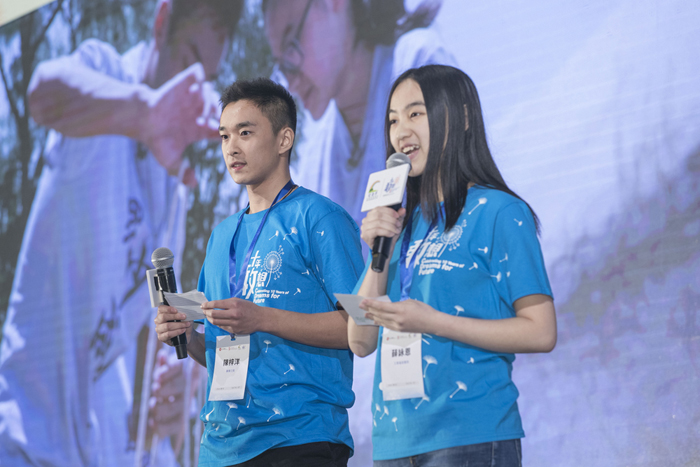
column 295, row 394
column 479, row 268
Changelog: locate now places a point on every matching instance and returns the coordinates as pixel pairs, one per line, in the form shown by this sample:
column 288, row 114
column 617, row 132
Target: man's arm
column 239, row 316
column 78, row 101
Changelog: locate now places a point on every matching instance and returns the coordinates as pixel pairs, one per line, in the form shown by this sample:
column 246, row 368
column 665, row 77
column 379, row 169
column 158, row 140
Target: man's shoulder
column 314, row 206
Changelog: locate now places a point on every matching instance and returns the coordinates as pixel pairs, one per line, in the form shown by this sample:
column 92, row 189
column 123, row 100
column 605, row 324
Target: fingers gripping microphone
column 382, row 245
column 162, row 259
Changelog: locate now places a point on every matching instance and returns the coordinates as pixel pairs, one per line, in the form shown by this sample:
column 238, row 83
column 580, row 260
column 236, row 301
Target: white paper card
column 230, row 368
column 187, row 303
column 386, row 187
column 401, row 365
column 351, row 304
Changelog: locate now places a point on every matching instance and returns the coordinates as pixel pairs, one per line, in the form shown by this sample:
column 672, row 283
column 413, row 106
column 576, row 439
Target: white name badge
column 402, row 372
column 386, row 187
column 230, row 368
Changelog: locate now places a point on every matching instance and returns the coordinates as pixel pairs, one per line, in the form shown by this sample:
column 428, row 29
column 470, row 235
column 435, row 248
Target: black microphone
column 162, row 259
column 382, row 245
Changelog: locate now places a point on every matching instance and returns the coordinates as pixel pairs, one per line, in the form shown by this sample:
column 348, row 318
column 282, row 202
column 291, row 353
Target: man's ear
column 286, row 140
column 161, row 24
column 466, row 118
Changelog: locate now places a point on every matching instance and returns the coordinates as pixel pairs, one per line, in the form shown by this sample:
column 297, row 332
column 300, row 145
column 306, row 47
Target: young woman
column 466, row 280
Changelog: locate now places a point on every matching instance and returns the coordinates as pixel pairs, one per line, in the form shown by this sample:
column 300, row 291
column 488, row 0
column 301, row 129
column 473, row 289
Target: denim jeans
column 492, row 454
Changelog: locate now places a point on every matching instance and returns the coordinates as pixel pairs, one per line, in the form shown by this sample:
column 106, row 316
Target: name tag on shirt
column 230, row 368
column 401, row 365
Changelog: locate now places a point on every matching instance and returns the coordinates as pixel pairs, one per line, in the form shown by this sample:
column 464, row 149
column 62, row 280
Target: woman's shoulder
column 496, row 200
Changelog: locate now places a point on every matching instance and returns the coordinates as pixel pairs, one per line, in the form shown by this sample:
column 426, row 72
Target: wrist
column 267, row 319
column 142, row 100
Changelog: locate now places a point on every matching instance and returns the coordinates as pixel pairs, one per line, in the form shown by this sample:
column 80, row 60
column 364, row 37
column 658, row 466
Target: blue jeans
column 492, row 454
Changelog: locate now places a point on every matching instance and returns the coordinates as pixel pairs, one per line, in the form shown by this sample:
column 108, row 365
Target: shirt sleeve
column 337, row 252
column 517, row 264
column 422, row 46
column 99, row 56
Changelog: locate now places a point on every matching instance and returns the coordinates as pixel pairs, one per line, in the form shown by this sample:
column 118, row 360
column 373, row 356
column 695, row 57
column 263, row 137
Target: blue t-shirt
column 308, row 249
column 479, row 268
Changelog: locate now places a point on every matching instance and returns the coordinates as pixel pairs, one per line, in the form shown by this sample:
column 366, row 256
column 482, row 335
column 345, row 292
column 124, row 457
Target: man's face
column 199, row 39
column 308, row 40
column 252, row 152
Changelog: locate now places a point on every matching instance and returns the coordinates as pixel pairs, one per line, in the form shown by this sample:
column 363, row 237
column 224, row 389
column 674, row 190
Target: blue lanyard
column 240, row 277
column 406, row 269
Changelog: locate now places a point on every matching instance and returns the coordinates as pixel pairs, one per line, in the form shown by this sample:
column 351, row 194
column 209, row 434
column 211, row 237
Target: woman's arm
column 533, row 329
column 380, row 222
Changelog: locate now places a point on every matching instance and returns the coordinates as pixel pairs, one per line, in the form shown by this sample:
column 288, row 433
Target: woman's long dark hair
column 448, row 92
column 383, row 21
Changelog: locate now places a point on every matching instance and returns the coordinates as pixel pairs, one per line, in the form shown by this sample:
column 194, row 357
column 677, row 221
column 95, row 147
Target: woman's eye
column 415, row 114
column 391, row 122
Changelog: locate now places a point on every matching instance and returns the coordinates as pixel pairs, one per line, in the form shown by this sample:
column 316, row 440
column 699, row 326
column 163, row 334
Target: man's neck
column 262, row 195
column 352, row 96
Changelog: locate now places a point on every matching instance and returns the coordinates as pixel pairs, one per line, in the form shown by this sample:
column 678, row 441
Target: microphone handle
column 166, row 281
column 381, row 248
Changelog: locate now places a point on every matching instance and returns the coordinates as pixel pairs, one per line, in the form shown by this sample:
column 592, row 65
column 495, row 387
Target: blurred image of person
column 340, row 58
column 112, row 190
column 275, row 350
column 467, row 283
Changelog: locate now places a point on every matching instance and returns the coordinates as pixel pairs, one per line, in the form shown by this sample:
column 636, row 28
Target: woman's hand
column 382, row 222
column 406, row 316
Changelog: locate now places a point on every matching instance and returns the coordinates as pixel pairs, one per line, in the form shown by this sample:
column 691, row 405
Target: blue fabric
column 308, row 249
column 491, row 258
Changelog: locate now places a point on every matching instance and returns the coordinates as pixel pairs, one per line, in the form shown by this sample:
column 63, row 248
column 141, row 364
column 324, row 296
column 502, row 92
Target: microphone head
column 162, row 258
column 398, row 158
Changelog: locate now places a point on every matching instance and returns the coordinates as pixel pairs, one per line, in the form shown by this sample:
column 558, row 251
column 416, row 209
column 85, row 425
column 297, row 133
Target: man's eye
column 245, row 133
column 223, row 137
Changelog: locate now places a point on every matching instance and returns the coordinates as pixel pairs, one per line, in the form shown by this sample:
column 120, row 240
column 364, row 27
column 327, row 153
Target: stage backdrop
column 593, row 115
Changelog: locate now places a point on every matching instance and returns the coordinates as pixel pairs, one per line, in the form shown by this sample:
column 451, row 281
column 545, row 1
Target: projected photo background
column 108, row 150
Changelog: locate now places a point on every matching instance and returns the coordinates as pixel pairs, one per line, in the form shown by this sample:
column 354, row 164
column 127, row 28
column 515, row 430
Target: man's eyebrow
column 239, row 125
column 245, row 124
column 412, row 104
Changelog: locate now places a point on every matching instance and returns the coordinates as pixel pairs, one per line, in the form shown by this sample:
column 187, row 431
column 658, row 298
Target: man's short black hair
column 273, row 100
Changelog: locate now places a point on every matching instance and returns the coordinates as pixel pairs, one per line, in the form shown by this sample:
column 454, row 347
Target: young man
column 270, row 274
column 107, row 197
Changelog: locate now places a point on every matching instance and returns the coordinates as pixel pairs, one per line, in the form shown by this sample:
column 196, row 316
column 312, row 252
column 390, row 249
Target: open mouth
column 410, row 150
column 237, row 165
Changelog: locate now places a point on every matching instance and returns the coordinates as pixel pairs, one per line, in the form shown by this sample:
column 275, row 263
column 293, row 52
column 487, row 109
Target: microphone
column 382, row 245
column 162, row 259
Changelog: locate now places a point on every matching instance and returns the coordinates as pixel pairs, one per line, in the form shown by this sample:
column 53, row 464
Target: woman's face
column 309, row 39
column 408, row 125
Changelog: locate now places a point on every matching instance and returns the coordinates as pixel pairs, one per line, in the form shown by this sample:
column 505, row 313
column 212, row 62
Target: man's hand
column 166, row 328
column 235, row 315
column 406, row 316
column 166, row 405
column 180, row 112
